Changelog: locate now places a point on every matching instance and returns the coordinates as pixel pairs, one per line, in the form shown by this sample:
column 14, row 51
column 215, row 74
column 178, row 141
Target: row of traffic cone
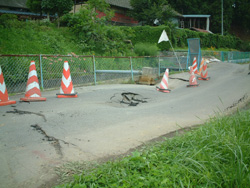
column 192, row 79
column 33, row 92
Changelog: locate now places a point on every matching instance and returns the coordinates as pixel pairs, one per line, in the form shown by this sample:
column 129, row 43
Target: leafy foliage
column 94, row 34
column 178, row 38
column 34, row 5
column 241, row 14
column 33, row 37
column 146, row 49
column 148, row 11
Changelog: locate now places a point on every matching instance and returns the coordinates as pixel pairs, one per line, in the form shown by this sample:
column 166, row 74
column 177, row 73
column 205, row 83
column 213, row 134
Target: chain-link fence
column 95, row 69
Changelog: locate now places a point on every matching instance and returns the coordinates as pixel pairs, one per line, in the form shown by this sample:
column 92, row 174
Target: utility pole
column 221, row 17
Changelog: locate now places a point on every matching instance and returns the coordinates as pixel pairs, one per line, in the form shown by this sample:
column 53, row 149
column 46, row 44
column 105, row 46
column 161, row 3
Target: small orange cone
column 4, row 97
column 195, row 66
column 202, row 62
column 66, row 90
column 33, row 92
column 192, row 79
column 164, row 83
column 204, row 72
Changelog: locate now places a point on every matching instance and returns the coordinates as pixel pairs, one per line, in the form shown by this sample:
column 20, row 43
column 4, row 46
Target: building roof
column 22, row 3
column 14, row 3
column 21, row 13
column 120, row 3
column 200, row 30
column 196, row 16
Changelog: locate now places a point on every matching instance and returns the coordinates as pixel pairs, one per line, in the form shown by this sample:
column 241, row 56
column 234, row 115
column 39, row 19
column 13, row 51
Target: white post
column 207, row 27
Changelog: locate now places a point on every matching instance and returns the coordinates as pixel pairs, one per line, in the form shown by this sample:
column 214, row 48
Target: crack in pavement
column 182, row 79
column 242, row 99
column 21, row 112
column 52, row 140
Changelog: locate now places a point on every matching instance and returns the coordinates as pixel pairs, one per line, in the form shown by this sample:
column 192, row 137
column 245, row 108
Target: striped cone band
column 204, row 70
column 195, row 66
column 201, row 66
column 32, row 88
column 192, row 79
column 3, row 90
column 4, row 98
column 66, row 83
column 164, row 81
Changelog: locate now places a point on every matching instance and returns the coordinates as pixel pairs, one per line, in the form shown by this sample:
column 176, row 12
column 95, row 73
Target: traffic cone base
column 194, row 85
column 7, row 103
column 163, row 90
column 207, row 78
column 33, row 92
column 33, row 99
column 59, row 95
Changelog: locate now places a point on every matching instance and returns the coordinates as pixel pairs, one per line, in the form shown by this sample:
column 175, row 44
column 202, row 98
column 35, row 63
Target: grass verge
column 213, row 155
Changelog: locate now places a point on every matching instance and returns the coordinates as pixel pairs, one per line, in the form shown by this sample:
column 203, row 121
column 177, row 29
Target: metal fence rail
column 94, row 69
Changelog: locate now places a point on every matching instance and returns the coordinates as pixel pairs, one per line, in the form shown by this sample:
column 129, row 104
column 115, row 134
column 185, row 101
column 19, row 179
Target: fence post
column 159, row 66
column 41, row 71
column 132, row 76
column 222, row 56
column 93, row 57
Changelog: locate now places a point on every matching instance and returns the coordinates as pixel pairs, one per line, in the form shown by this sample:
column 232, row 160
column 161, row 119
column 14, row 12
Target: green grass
column 214, row 155
column 32, row 38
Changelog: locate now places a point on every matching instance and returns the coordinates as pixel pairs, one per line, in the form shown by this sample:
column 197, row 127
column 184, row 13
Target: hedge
column 178, row 37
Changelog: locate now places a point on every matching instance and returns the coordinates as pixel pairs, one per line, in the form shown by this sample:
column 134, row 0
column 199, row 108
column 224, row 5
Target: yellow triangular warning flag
column 164, row 37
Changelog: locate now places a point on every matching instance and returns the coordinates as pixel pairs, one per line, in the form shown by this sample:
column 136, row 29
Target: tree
column 147, row 11
column 59, row 7
column 34, row 6
column 241, row 14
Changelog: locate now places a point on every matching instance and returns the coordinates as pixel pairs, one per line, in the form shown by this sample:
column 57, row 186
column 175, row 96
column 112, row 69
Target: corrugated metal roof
column 14, row 3
column 20, row 13
column 22, row 3
column 120, row 3
column 196, row 16
column 200, row 30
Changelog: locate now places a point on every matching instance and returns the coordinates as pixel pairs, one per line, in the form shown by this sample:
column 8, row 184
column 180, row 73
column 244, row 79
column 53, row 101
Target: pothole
column 128, row 99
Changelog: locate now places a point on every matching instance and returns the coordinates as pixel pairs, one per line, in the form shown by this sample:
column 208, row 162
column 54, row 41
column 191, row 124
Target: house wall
column 120, row 17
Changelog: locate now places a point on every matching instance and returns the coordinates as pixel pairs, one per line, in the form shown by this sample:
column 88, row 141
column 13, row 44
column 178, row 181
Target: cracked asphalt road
column 38, row 136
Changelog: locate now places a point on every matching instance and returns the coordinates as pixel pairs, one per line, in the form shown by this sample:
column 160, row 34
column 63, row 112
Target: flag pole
column 164, row 37
column 180, row 67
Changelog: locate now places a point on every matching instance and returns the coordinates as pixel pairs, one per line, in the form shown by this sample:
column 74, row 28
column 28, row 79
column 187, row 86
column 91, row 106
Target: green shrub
column 146, row 49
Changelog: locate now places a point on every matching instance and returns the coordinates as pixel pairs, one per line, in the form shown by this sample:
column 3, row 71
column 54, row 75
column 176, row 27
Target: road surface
column 36, row 137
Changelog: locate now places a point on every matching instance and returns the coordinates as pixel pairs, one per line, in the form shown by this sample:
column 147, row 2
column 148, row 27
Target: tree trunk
column 48, row 18
column 58, row 22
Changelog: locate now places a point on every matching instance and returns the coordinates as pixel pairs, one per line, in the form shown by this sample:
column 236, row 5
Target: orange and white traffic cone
column 33, row 92
column 201, row 65
column 192, row 79
column 66, row 90
column 4, row 97
column 195, row 66
column 204, row 72
column 164, row 83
